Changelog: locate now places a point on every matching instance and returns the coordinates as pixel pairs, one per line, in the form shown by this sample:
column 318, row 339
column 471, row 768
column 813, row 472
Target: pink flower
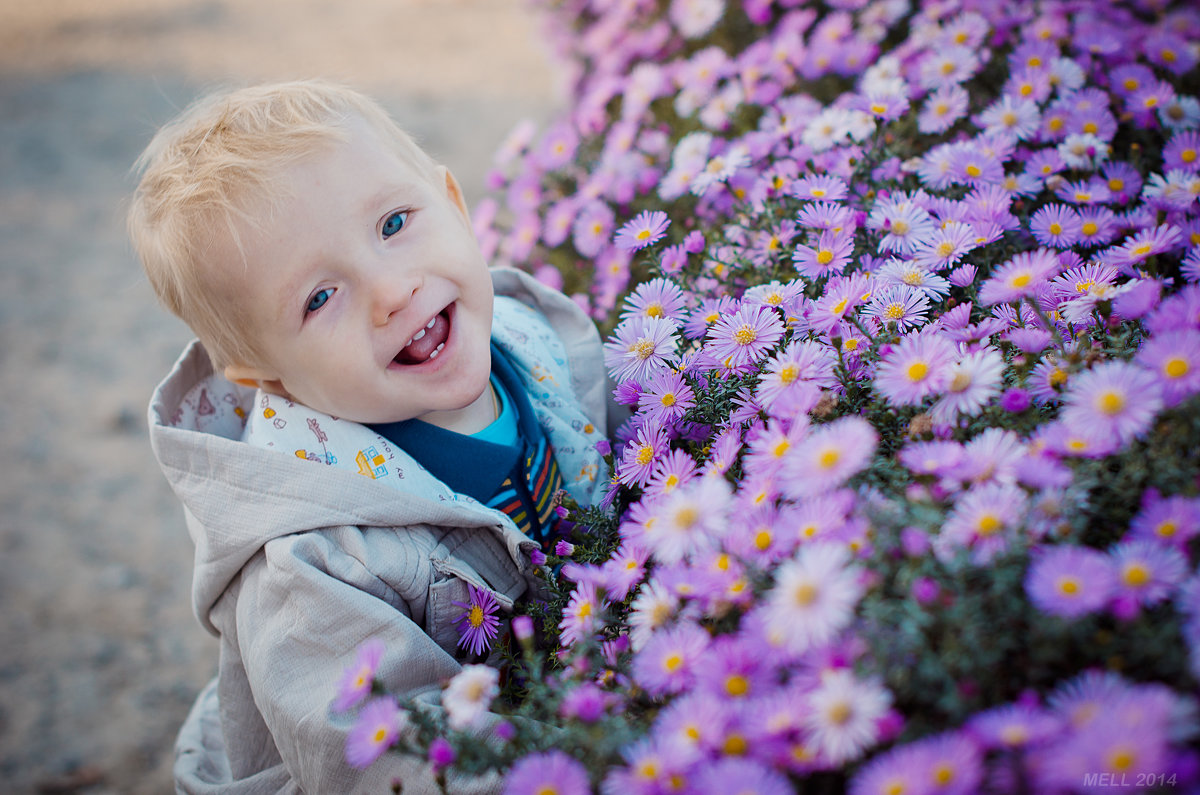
column 646, row 229
column 1115, row 398
column 377, row 728
column 919, row 366
column 1070, row 581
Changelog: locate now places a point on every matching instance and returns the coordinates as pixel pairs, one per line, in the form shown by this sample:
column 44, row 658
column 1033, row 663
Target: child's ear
column 454, row 192
column 255, row 378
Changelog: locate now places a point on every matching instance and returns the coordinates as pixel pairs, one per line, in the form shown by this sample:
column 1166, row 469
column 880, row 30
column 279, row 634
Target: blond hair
column 202, row 172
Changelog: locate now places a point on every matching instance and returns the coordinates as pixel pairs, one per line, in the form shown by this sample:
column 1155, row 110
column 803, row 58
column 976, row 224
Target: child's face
column 370, row 298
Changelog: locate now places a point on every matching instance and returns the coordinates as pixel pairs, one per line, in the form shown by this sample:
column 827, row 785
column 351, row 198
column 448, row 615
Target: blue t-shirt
column 508, row 465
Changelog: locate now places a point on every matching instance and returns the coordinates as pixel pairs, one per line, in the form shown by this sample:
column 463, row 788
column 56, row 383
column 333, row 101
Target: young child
column 370, row 421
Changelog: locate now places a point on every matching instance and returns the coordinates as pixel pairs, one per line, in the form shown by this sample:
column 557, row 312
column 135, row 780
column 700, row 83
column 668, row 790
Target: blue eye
column 394, row 223
column 318, row 300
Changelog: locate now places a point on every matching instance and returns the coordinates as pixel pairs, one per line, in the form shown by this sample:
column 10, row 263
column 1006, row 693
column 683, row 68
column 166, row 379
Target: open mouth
column 427, row 343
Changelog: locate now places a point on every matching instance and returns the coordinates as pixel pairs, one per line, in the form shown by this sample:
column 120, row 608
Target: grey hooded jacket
column 298, row 563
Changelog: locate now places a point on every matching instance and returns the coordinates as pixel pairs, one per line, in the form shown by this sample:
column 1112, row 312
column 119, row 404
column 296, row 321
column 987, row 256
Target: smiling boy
column 370, row 422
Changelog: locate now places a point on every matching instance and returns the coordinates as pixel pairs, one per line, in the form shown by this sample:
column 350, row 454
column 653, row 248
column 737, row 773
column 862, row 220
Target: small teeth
column 421, row 333
column 437, row 350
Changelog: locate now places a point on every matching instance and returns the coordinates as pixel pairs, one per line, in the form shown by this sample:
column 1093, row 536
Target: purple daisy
column 667, row 663
column 377, row 728
column 829, row 456
column 639, row 347
column 582, row 615
column 942, row 108
column 745, row 776
column 917, row 367
column 1014, row 726
column 819, row 188
column 1070, row 581
column 549, row 773
column 479, row 624
column 1116, row 398
column 1174, row 357
column 745, row 336
column 1056, row 226
column 1167, row 520
column 984, row 520
column 656, row 298
column 830, row 254
column 1147, row 572
column 358, row 678
column 1020, row 277
column 945, row 246
column 647, row 228
column 591, row 229
column 666, row 397
column 900, row 305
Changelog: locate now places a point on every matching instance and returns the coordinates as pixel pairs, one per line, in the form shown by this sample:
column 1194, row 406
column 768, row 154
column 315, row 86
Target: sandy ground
column 100, row 655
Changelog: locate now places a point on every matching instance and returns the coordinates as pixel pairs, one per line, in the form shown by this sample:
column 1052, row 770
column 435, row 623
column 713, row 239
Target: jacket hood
column 197, row 423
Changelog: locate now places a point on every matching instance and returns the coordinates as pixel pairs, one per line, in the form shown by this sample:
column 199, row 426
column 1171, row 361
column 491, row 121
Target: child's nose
column 392, row 293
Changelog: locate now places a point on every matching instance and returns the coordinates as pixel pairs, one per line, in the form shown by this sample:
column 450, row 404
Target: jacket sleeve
column 302, row 610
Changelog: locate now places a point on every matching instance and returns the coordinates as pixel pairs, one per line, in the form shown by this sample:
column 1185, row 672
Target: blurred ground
column 99, row 653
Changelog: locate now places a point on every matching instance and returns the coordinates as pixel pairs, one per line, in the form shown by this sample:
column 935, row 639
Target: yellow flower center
column 1068, row 586
column 1091, row 127
column 943, row 774
column 1021, row 280
column 643, row 348
column 737, row 685
column 988, row 524
column 1142, row 250
column 824, row 256
column 745, row 335
column 1090, row 228
column 686, row 516
column 655, row 310
column 780, row 449
column 840, row 306
column 829, row 458
column 900, row 228
column 804, row 594
column 1176, row 367
column 1135, row 574
column 1058, row 376
column 961, row 381
column 1121, row 759
column 380, row 735
column 818, row 193
column 1188, row 155
column 894, row 312
column 735, row 745
column 645, row 455
column 789, row 373
column 1166, row 528
column 475, row 616
column 850, row 344
column 839, row 713
column 673, row 662
column 668, row 399
column 917, row 371
column 879, row 108
column 1056, row 228
column 973, row 170
column 762, row 539
column 1110, row 402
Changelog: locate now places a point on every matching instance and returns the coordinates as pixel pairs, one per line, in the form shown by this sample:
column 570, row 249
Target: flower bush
column 902, row 299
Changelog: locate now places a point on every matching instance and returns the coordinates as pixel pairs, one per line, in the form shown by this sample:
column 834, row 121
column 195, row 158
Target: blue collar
column 467, row 464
